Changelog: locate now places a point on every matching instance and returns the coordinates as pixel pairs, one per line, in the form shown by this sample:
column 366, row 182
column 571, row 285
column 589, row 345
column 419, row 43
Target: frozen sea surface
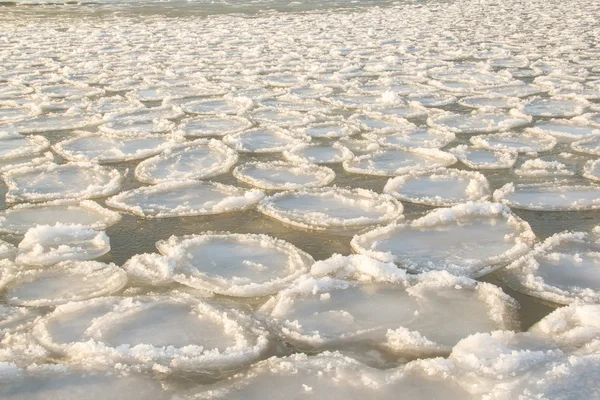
column 221, row 199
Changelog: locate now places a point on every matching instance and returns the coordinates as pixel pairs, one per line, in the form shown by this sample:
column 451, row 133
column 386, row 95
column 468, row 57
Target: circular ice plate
column 241, row 265
column 329, row 129
column 74, row 180
column 19, row 218
column 213, row 126
column 439, row 188
column 457, row 239
column 64, row 282
column 589, row 145
column 166, row 332
column 555, row 107
column 479, row 122
column 331, row 208
column 333, row 376
column 550, row 196
column 278, row 175
column 196, row 160
column 14, row 145
column 184, row 198
column 318, row 153
column 419, row 137
column 522, row 142
column 477, row 158
column 397, row 162
column 564, row 269
column 320, row 313
column 65, row 382
column 105, row 148
column 264, row 140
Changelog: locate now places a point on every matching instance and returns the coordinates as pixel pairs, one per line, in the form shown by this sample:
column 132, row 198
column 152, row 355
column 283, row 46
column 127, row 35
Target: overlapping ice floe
column 478, row 158
column 64, row 282
column 240, row 265
column 46, row 245
column 105, row 148
column 21, row 217
column 75, row 180
column 196, row 160
column 549, row 196
column 565, row 268
column 443, row 187
column 469, row 239
column 184, row 198
column 336, row 377
column 331, row 208
column 162, row 332
column 392, row 162
column 278, row 175
column 327, row 313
